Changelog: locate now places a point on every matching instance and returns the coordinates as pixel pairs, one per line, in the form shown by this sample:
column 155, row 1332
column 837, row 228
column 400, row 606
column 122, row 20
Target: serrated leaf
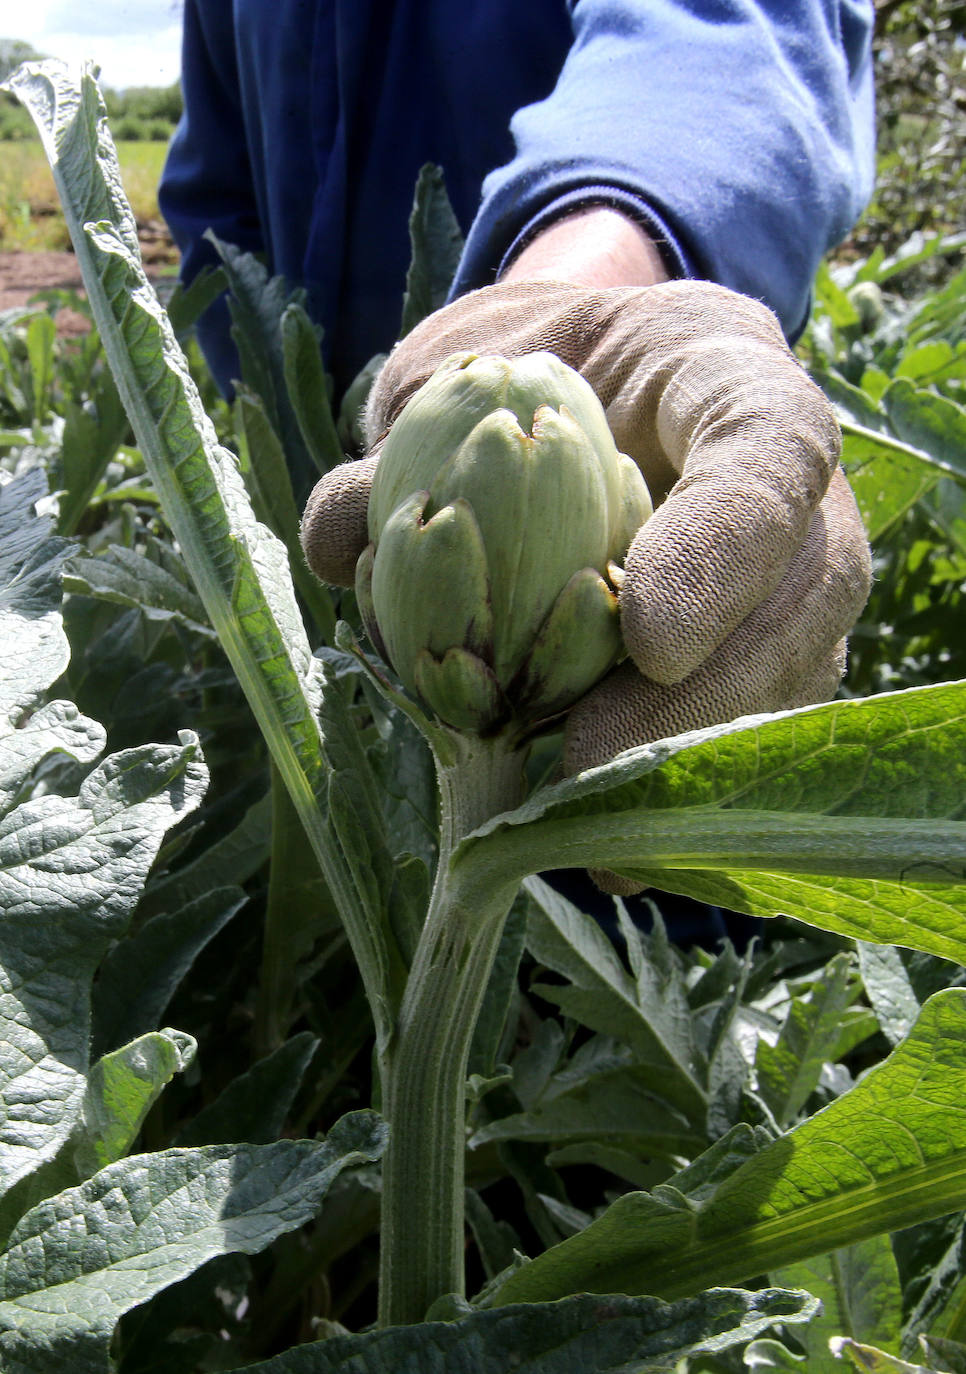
column 622, row 1107
column 887, row 477
column 54, row 728
column 71, row 870
column 931, row 422
column 76, row 1263
column 437, row 243
column 788, row 1072
column 257, row 303
column 30, row 596
column 649, row 1014
column 847, row 816
column 264, row 468
column 309, row 388
column 890, row 1152
column 593, row 1335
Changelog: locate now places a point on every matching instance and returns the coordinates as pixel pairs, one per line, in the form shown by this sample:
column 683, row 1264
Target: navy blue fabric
column 740, row 131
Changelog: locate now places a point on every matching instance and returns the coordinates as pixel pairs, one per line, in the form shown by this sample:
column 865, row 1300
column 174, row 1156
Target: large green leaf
column 847, row 815
column 890, row 1152
column 239, row 568
column 585, row 1335
column 71, row 870
column 30, row 596
column 77, row 1262
column 932, row 422
column 71, row 867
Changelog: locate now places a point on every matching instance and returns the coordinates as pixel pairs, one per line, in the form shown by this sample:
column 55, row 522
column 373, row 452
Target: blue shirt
column 741, row 132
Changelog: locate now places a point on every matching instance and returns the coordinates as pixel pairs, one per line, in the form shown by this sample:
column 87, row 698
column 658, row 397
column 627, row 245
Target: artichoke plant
column 500, row 514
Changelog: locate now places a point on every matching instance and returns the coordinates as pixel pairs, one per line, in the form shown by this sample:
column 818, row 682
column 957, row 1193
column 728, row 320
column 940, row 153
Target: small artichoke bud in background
column 499, row 515
column 866, row 299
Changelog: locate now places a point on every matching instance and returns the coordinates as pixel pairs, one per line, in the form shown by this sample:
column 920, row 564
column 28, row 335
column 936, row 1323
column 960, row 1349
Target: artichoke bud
column 499, row 518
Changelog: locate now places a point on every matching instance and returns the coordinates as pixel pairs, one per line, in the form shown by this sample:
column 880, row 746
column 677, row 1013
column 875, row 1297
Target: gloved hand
column 740, row 588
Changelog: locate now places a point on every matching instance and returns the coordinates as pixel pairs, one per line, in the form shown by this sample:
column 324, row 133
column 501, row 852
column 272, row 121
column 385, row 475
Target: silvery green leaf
column 129, row 579
column 889, row 989
column 589, row 1335
column 77, row 1262
column 30, row 596
column 71, row 870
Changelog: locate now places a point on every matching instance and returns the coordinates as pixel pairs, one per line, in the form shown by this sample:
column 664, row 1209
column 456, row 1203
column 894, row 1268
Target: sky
column 135, row 42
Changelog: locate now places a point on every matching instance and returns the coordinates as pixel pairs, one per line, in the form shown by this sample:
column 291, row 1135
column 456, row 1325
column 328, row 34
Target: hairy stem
column 424, row 1070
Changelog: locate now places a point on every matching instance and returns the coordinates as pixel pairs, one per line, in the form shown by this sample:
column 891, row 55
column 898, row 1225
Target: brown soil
column 23, row 275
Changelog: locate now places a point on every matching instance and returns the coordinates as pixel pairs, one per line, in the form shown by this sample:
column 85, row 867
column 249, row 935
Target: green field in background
column 30, row 215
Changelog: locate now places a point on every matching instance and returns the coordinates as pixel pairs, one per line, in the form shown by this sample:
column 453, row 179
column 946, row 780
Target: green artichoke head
column 500, row 512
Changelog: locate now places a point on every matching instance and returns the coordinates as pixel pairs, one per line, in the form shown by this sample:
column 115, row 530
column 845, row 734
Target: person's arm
column 738, row 135
column 593, row 247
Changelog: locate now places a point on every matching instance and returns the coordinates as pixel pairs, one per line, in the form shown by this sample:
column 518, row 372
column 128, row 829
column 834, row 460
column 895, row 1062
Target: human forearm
column 595, row 247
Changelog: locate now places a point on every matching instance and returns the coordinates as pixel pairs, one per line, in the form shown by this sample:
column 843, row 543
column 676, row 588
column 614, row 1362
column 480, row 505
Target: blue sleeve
column 741, row 132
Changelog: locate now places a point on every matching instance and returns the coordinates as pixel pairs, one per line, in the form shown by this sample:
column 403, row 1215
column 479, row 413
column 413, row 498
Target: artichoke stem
column 424, row 1067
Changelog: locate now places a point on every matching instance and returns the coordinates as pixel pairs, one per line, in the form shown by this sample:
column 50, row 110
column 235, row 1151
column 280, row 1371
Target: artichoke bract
column 500, row 513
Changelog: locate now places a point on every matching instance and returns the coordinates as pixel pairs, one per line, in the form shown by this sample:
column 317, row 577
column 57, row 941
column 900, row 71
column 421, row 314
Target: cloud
column 112, row 18
column 134, row 42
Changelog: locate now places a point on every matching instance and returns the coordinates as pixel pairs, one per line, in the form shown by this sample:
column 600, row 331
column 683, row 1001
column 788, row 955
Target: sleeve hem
column 677, row 262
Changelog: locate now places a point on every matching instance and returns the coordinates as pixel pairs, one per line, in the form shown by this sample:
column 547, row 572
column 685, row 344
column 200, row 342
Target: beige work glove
column 740, row 588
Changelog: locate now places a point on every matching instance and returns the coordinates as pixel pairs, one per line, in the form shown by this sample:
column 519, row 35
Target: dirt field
column 23, row 274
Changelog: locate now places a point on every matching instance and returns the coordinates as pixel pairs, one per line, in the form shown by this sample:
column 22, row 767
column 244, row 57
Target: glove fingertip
column 615, row 884
column 335, row 523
